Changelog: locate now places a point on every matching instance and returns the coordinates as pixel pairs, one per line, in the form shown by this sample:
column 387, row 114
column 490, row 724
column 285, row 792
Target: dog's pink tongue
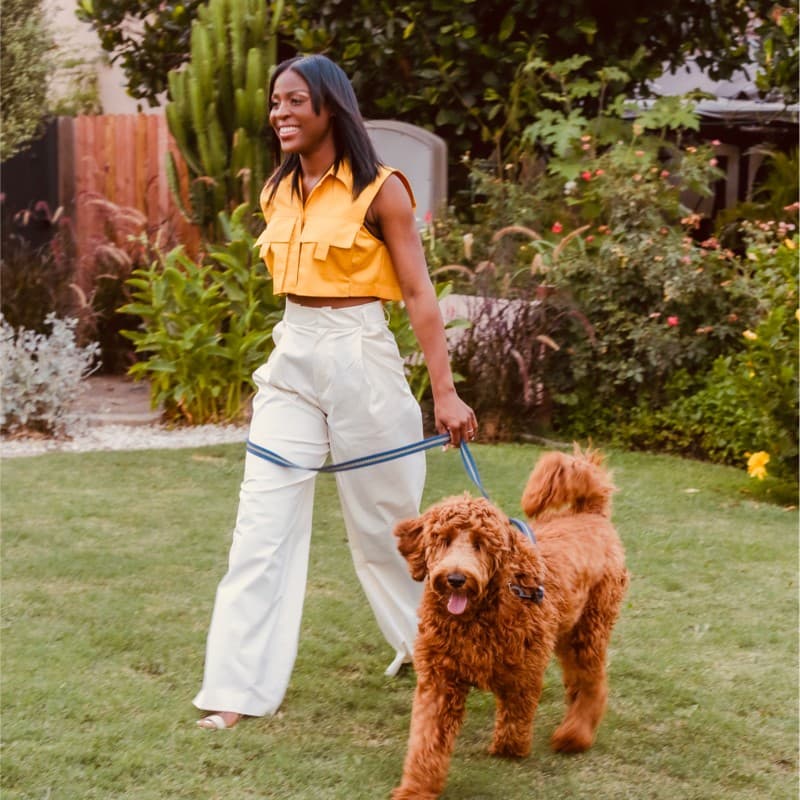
column 457, row 603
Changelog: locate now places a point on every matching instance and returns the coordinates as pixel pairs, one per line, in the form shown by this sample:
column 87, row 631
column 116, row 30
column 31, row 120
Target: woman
column 340, row 238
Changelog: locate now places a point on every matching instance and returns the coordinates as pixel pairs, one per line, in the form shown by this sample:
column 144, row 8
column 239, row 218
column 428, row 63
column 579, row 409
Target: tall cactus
column 217, row 112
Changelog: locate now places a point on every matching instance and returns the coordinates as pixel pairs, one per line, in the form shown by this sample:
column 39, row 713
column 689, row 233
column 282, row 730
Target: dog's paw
column 571, row 739
column 507, row 749
column 407, row 793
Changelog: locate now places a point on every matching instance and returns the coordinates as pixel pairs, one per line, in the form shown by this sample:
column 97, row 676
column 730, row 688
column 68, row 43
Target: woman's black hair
column 329, row 86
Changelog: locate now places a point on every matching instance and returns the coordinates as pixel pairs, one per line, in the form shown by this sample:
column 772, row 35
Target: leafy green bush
column 25, row 64
column 206, row 326
column 592, row 221
column 748, row 401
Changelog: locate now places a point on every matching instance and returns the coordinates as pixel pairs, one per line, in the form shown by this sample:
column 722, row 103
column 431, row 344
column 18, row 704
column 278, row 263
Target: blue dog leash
column 467, row 460
column 353, row 463
column 471, row 468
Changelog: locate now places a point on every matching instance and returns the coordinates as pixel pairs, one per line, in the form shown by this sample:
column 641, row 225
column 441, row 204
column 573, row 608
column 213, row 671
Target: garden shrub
column 506, row 357
column 592, row 220
column 37, row 271
column 40, row 278
column 748, row 401
column 205, row 326
column 124, row 246
column 41, row 374
column 663, row 337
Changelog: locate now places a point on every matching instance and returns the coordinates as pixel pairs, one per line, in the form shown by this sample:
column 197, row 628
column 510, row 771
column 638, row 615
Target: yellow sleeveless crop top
column 321, row 248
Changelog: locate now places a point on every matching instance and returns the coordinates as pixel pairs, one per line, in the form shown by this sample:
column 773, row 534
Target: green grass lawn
column 110, row 562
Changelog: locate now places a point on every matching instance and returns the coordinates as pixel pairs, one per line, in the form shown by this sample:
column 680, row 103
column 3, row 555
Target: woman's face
column 298, row 127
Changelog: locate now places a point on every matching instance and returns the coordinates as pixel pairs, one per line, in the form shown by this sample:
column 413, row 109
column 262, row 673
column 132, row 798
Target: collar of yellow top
column 342, row 173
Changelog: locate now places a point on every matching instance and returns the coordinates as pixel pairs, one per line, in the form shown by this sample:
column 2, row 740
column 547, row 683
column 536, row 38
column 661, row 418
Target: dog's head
column 460, row 545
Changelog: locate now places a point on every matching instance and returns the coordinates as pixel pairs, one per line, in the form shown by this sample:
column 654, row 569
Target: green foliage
column 454, row 66
column 589, row 232
column 148, row 38
column 24, row 70
column 657, row 301
column 206, row 327
column 749, row 399
column 78, row 91
column 218, row 107
column 41, row 375
column 778, row 53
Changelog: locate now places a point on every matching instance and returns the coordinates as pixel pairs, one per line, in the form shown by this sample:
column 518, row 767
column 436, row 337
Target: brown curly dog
column 496, row 606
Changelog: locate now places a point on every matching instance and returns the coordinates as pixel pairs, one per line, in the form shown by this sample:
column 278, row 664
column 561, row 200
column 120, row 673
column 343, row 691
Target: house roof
column 734, row 100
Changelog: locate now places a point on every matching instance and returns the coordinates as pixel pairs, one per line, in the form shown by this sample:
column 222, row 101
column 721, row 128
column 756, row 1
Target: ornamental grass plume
column 757, row 464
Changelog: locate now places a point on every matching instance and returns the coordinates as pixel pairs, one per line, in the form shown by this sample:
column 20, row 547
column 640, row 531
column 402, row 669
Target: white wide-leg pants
column 334, row 384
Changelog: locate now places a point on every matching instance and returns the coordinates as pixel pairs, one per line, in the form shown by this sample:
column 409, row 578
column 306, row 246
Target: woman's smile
column 299, row 128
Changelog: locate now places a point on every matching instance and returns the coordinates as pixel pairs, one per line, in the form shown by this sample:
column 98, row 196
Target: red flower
column 672, row 321
column 557, row 227
column 587, row 176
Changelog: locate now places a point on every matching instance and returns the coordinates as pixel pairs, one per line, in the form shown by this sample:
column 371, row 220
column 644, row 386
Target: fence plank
column 122, row 158
column 140, row 161
column 67, row 172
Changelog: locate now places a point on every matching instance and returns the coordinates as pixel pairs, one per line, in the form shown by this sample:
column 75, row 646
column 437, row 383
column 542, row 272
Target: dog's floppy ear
column 409, row 543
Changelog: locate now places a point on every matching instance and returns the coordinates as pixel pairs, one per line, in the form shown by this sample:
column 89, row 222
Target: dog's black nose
column 456, row 580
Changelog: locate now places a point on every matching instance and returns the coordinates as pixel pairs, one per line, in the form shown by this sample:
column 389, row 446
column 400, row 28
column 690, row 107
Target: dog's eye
column 476, row 545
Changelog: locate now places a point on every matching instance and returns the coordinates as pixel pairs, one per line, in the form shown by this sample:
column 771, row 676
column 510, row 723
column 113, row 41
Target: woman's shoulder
column 394, row 183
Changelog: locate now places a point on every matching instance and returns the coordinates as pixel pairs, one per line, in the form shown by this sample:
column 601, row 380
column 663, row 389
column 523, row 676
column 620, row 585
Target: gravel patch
column 83, row 438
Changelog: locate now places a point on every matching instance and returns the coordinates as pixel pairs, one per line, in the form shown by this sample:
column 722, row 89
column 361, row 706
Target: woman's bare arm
column 393, row 212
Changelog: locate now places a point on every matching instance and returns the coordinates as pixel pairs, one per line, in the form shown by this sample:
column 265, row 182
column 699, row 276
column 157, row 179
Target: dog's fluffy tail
column 576, row 483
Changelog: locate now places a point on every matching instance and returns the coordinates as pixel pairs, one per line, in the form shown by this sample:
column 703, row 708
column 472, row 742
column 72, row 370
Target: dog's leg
column 516, row 705
column 582, row 653
column 436, row 717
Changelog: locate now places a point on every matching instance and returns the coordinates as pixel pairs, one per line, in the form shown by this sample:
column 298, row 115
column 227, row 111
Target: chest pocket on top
column 274, row 240
column 331, row 240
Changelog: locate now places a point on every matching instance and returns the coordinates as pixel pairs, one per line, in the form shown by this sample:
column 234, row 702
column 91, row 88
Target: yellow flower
column 797, row 314
column 750, row 335
column 789, row 243
column 757, row 465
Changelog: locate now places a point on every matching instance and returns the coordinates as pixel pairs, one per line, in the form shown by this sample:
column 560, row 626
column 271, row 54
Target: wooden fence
column 111, row 164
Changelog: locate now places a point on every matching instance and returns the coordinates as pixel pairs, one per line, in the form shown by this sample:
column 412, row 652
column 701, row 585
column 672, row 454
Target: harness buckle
column 536, row 596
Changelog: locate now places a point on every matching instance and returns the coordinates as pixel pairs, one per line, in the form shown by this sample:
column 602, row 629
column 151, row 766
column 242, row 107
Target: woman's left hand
column 452, row 415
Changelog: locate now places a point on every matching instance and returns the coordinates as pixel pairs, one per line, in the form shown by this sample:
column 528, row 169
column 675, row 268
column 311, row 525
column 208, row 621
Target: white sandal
column 399, row 660
column 214, row 722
